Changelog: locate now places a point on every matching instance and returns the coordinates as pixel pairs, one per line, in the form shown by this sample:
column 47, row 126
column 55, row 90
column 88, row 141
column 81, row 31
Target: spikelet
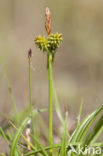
column 48, row 21
column 42, row 43
column 29, row 53
column 54, row 42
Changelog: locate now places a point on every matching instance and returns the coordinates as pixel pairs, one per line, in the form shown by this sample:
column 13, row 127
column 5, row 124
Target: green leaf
column 81, row 130
column 98, row 128
column 4, row 136
column 55, row 146
column 63, row 143
column 40, row 146
column 57, row 104
column 19, row 132
column 80, row 112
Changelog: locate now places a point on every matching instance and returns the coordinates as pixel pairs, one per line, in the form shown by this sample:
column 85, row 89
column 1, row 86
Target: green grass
column 78, row 137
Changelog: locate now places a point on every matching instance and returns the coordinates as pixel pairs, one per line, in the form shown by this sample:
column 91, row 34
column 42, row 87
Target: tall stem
column 50, row 98
column 30, row 99
column 30, row 96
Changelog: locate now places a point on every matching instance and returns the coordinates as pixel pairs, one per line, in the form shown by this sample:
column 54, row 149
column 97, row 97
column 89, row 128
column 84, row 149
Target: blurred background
column 78, row 66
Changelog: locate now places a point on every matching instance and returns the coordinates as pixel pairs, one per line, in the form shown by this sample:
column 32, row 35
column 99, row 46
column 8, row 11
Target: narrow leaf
column 19, row 132
column 81, row 130
column 63, row 143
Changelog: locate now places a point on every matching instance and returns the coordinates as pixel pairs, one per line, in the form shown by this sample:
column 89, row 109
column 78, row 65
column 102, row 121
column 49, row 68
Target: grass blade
column 97, row 135
column 80, row 112
column 9, row 87
column 63, row 144
column 55, row 146
column 43, row 151
column 57, row 105
column 94, row 133
column 81, row 130
column 4, row 136
column 19, row 132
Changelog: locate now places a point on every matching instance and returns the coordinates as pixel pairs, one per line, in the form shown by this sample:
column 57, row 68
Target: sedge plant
column 86, row 133
column 49, row 45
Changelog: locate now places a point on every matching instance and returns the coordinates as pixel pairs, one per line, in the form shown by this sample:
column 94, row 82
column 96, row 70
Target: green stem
column 50, row 99
column 30, row 96
column 56, row 102
column 26, row 140
column 4, row 136
column 55, row 146
column 9, row 87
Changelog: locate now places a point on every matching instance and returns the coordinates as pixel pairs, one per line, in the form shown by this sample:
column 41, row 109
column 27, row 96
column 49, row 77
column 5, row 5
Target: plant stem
column 30, row 96
column 9, row 87
column 56, row 102
column 26, row 140
column 50, row 99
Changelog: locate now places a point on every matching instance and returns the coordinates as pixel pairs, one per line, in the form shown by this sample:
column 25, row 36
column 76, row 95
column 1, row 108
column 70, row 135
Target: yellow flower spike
column 54, row 41
column 49, row 44
column 41, row 42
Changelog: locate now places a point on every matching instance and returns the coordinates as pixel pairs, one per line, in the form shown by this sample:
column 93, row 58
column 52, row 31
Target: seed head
column 42, row 43
column 54, row 41
column 49, row 44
